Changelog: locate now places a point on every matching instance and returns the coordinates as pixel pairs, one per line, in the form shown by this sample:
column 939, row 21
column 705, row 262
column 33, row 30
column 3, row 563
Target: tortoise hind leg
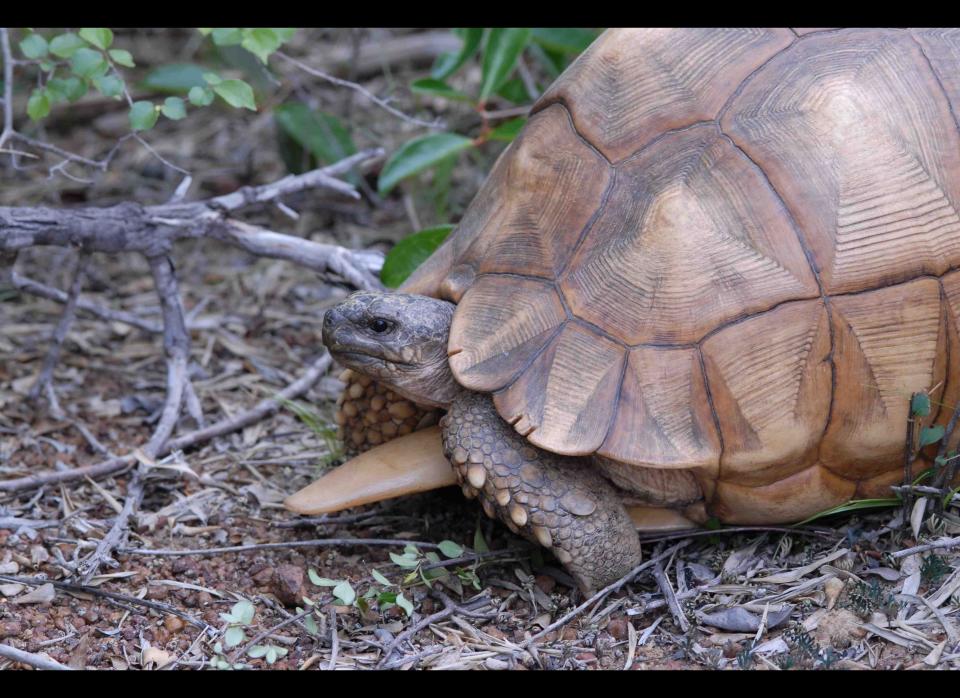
column 560, row 502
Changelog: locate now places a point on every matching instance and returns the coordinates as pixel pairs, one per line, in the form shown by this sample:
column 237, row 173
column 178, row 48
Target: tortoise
column 703, row 282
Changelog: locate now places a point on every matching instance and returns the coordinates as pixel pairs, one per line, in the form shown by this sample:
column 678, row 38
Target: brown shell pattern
column 726, row 250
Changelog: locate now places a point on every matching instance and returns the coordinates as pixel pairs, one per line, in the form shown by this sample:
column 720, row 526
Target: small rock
column 618, row 628
column 10, row 589
column 11, row 628
column 263, row 576
column 173, row 624
column 157, row 592
column 832, row 589
column 180, row 565
column 287, row 584
column 838, row 628
column 204, row 598
column 9, row 568
column 38, row 555
column 41, row 594
column 569, row 634
column 731, row 649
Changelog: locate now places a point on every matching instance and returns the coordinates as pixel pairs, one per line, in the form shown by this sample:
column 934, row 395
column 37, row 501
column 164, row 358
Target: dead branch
column 316, row 543
column 936, row 545
column 35, row 660
column 371, row 56
column 664, row 583
column 7, row 85
column 261, row 410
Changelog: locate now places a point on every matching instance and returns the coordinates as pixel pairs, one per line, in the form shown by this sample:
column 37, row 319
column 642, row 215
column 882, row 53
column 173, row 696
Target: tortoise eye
column 379, row 325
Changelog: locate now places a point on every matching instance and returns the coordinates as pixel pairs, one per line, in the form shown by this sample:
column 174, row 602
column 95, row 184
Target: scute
column 632, row 85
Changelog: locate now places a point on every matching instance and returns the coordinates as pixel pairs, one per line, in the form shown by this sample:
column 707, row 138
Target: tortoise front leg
column 560, row 502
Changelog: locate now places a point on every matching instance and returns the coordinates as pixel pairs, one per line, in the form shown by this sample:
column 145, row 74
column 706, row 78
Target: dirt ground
column 422, row 582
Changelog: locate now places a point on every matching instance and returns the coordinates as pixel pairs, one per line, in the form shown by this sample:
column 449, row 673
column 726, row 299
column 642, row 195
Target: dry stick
column 449, row 608
column 664, row 583
column 269, row 631
column 63, row 326
column 361, row 89
column 800, row 531
column 942, row 543
column 176, row 344
column 334, row 641
column 261, row 410
column 315, row 543
column 34, row 660
column 609, row 589
column 7, row 86
column 111, row 595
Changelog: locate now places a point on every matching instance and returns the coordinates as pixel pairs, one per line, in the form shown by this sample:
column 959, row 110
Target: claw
column 413, row 463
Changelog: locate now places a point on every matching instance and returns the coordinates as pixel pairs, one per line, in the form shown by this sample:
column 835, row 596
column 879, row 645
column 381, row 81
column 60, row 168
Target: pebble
column 12, row 628
column 203, row 598
column 263, row 576
column 546, row 583
column 173, row 624
column 618, row 628
column 157, row 593
column 287, row 584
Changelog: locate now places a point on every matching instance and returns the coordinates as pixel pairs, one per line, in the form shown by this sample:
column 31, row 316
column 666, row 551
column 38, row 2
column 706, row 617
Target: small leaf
column 387, row 597
column 236, row 93
column 323, row 135
column 450, row 549
column 261, row 42
column 227, row 37
column 38, row 106
column 931, row 435
column 69, row 88
column 381, row 579
column 920, row 405
column 143, row 115
column 405, row 604
column 508, row 130
column 121, row 57
column 234, row 636
column 212, row 78
column 345, row 593
column 173, row 108
column 175, row 78
column 417, row 155
column 65, row 45
column 502, row 50
column 34, row 46
column 321, row 581
column 515, row 91
column 405, row 561
column 257, row 651
column 479, row 542
column 311, row 625
column 87, row 63
column 101, row 38
column 449, row 63
column 200, row 96
column 436, row 88
column 410, row 253
column 571, row 41
column 243, row 611
column 271, row 654
column 109, row 85
column 432, row 557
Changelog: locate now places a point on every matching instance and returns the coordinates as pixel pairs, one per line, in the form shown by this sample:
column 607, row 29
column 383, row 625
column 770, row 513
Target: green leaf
column 502, row 50
column 345, row 593
column 212, row 79
column 173, row 108
column 200, row 96
column 417, row 155
column 381, row 579
column 920, row 405
column 508, row 130
column 34, row 46
column 853, row 505
column 243, row 611
column 121, row 57
column 65, row 45
column 323, row 135
column 227, row 37
column 436, row 88
column 931, row 435
column 479, row 542
column 109, row 85
column 101, row 38
column 449, row 63
column 143, row 115
column 261, row 42
column 236, row 93
column 311, row 624
column 234, row 636
column 387, row 597
column 175, row 78
column 257, row 651
column 515, row 91
column 45, row 66
column 320, row 581
column 38, row 106
column 571, row 41
column 405, row 604
column 410, row 253
column 450, row 549
column 87, row 63
column 405, row 561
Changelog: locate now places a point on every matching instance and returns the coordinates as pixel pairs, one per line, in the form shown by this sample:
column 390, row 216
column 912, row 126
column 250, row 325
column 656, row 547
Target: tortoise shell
column 729, row 251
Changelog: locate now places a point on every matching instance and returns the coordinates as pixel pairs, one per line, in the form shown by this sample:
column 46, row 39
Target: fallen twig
column 315, row 543
column 670, row 597
column 34, row 660
column 936, row 545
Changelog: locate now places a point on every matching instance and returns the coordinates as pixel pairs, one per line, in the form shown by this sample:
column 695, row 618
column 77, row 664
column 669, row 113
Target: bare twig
column 266, row 633
column 664, row 583
column 316, row 543
column 334, row 641
column 609, row 589
column 936, row 545
column 35, row 660
column 7, row 86
column 113, row 465
column 63, row 326
column 436, row 124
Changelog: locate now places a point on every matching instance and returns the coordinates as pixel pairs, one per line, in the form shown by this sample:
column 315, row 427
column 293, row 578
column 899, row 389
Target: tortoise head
column 398, row 339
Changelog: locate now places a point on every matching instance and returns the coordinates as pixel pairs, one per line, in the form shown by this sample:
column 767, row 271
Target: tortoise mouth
column 361, row 358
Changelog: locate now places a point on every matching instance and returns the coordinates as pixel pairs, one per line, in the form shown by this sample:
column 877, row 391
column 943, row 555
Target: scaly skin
column 560, row 502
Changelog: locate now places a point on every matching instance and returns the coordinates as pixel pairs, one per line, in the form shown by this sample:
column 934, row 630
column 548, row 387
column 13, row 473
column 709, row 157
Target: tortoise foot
column 558, row 501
